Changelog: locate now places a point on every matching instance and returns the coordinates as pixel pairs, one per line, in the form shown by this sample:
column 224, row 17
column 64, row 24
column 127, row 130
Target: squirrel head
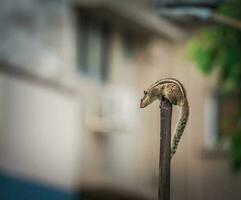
column 149, row 97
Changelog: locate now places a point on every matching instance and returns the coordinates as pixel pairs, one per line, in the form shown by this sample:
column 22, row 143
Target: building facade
column 72, row 75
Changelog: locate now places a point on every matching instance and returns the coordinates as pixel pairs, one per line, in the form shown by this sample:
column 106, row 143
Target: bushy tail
column 180, row 127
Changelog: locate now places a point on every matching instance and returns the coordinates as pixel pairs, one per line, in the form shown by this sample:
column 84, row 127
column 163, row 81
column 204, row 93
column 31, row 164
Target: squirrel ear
column 145, row 92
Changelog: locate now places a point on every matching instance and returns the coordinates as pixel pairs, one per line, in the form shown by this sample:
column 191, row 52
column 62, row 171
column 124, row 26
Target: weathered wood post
column 165, row 149
column 170, row 92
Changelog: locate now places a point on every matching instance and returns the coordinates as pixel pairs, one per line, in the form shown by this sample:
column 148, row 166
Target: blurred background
column 72, row 73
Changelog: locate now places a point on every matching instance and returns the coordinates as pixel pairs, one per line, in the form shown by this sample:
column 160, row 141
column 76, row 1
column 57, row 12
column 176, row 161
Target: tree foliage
column 219, row 46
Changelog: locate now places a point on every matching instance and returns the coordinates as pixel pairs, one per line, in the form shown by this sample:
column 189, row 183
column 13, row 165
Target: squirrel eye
column 145, row 92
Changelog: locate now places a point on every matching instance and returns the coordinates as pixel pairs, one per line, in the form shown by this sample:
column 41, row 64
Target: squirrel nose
column 141, row 105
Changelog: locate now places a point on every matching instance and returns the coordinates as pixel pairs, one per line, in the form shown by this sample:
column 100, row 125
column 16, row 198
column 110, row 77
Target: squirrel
column 174, row 91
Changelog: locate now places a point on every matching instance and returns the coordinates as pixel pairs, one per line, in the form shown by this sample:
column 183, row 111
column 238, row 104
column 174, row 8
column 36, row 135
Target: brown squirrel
column 174, row 91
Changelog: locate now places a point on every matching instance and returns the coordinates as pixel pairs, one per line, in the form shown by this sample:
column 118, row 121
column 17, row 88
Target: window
column 128, row 45
column 93, row 47
column 221, row 119
column 211, row 134
column 229, row 120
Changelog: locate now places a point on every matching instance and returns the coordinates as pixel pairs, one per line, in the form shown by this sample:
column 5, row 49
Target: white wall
column 40, row 133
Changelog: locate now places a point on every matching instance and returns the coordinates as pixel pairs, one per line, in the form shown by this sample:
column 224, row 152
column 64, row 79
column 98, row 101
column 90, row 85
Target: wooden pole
column 165, row 150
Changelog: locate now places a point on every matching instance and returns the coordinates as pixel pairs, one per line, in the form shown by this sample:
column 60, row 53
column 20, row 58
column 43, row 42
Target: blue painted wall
column 13, row 188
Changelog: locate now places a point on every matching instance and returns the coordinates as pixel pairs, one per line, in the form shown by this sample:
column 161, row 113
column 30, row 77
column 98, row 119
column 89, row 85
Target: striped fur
column 181, row 124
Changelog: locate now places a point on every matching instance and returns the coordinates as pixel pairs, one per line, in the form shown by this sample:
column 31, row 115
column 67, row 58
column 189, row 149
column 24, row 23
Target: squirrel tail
column 181, row 124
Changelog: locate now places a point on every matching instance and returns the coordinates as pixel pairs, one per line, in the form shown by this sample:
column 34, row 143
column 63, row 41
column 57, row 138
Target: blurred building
column 72, row 75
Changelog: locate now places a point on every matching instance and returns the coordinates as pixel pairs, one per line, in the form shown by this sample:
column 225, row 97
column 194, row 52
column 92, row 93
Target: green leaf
column 236, row 150
column 220, row 46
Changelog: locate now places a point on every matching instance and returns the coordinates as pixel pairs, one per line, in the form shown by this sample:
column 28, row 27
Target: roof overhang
column 130, row 15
